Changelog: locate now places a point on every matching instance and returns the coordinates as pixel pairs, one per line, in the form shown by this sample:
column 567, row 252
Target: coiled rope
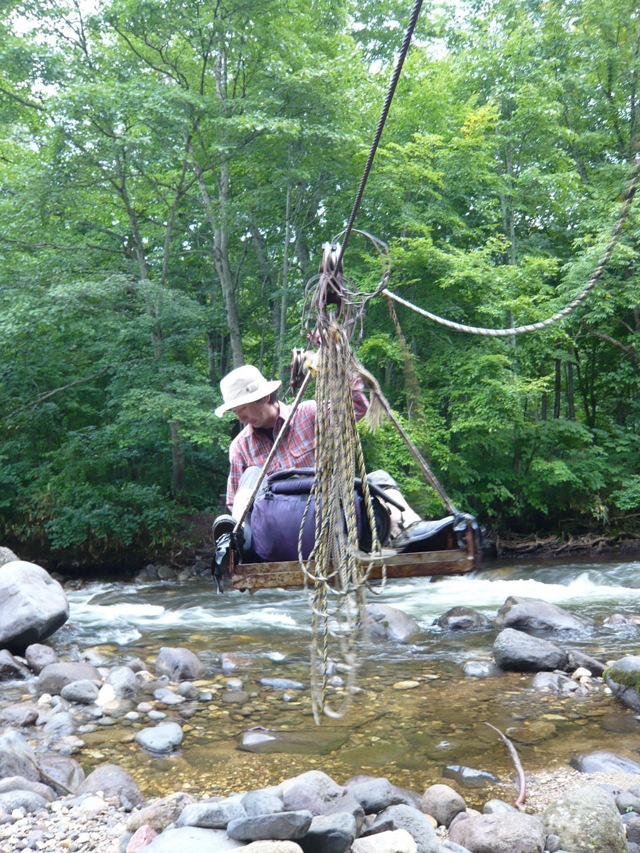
column 336, row 570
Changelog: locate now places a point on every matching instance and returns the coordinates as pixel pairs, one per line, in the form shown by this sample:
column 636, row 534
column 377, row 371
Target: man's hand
column 302, row 362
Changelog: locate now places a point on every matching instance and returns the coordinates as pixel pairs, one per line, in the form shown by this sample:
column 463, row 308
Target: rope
column 543, row 324
column 339, row 576
column 381, row 123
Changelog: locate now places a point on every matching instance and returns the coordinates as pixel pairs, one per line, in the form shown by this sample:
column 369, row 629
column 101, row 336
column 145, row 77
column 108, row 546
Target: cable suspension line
column 381, row 123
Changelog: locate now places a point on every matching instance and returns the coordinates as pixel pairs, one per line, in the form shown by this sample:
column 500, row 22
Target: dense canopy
column 169, row 172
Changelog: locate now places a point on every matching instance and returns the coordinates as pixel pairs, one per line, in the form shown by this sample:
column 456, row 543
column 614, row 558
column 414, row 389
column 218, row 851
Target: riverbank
column 557, row 548
column 95, row 823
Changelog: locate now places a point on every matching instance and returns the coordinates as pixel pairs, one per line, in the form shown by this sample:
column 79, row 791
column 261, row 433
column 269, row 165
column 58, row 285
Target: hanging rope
column 543, row 324
column 335, row 570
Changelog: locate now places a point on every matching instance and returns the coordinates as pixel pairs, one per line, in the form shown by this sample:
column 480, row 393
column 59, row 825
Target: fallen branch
column 522, row 788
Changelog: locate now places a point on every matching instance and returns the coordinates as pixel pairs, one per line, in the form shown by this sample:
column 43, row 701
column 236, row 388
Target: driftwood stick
column 522, row 788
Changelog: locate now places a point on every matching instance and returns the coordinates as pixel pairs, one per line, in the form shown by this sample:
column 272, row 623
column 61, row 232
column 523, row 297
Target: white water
column 124, row 613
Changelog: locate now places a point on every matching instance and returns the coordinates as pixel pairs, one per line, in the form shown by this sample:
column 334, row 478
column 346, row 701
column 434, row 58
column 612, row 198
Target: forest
column 169, row 173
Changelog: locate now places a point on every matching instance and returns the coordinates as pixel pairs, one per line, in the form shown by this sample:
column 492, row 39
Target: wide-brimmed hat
column 244, row 385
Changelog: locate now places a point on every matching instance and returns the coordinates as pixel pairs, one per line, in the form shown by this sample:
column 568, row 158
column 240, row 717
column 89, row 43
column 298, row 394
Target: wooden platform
column 253, row 576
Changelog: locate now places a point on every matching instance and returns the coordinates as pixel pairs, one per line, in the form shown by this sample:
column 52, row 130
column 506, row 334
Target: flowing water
column 416, row 713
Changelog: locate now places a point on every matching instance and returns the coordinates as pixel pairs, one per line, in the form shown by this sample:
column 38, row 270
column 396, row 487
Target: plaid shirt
column 297, row 448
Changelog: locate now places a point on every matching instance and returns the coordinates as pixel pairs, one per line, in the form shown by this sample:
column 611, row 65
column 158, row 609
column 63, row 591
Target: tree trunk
column 557, row 391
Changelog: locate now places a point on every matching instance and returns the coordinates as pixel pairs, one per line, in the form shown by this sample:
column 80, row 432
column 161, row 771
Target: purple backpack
column 278, row 512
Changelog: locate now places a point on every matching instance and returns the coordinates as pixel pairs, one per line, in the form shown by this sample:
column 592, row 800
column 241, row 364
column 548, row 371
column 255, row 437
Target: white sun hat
column 244, row 385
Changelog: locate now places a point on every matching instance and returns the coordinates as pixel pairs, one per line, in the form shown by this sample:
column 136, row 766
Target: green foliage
column 95, row 521
column 168, row 174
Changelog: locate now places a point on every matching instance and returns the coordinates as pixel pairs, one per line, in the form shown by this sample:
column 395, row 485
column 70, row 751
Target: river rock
column 115, row 783
column 178, row 663
column 535, row 616
column 374, row 793
column 160, row 813
column 124, row 682
column 262, row 801
column 480, row 669
column 282, row 683
column 19, row 783
column 623, row 679
column 500, row 833
column 520, row 652
column 271, row 847
column 140, row 839
column 160, row 739
column 192, row 839
column 55, row 676
column 285, row 826
column 331, row 833
column 32, row 605
column 21, row 716
column 469, row 777
column 578, row 658
column 27, row 800
column 17, row 758
column 317, row 741
column 11, row 669
column 83, row 691
column 6, row 556
column 214, row 814
column 320, row 781
column 60, row 724
column 550, row 682
column 585, row 820
column 600, row 761
column 463, row 619
column 388, row 623
column 394, row 841
column 414, row 821
column 443, row 803
column 38, row 656
column 63, row 773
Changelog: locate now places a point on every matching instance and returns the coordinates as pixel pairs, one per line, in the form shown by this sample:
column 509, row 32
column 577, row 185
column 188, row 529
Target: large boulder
column 517, row 651
column 535, row 616
column 511, row 832
column 601, row 761
column 387, row 623
column 32, row 605
column 585, row 820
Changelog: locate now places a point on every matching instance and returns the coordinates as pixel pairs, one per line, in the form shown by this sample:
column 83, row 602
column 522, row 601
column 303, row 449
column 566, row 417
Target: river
column 416, row 712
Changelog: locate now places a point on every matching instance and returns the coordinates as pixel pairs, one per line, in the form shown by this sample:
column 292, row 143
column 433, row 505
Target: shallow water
column 408, row 732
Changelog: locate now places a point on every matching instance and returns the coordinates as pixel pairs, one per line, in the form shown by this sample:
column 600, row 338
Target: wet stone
column 301, row 742
column 469, row 777
column 235, row 697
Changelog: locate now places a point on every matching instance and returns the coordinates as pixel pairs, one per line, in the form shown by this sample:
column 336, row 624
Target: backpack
column 272, row 530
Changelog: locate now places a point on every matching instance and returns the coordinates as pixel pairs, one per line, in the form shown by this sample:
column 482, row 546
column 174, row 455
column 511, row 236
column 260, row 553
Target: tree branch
column 522, row 790
column 42, row 397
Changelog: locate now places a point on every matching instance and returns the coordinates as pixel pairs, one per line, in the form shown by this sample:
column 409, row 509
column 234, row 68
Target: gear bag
column 272, row 529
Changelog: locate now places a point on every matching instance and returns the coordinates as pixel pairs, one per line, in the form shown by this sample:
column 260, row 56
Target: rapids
column 417, row 712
